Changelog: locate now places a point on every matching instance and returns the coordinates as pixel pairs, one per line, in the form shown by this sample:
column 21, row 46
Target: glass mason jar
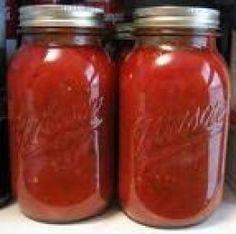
column 174, row 118
column 4, row 159
column 60, row 86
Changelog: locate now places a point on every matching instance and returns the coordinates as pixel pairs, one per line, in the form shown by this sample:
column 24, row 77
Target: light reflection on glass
column 163, row 60
column 52, row 55
column 216, row 95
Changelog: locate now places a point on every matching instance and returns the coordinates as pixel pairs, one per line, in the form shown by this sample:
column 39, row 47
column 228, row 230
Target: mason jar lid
column 61, row 16
column 177, row 17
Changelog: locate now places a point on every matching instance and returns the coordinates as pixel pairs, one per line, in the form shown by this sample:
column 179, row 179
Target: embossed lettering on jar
column 174, row 118
column 60, row 92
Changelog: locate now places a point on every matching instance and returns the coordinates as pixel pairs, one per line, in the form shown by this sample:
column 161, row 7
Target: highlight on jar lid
column 61, row 16
column 177, row 17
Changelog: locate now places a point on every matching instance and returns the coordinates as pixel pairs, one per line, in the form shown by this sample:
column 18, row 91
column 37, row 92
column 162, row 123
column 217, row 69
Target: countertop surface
column 113, row 221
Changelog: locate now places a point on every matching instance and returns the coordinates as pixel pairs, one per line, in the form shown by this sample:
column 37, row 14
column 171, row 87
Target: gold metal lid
column 61, row 16
column 176, row 17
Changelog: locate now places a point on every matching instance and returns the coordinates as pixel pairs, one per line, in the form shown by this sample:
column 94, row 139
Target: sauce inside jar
column 174, row 112
column 60, row 115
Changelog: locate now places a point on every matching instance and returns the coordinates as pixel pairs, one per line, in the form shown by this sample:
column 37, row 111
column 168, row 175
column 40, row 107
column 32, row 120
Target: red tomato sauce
column 174, row 108
column 60, row 101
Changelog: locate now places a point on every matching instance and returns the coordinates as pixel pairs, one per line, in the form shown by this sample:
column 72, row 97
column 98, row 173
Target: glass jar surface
column 60, row 85
column 174, row 90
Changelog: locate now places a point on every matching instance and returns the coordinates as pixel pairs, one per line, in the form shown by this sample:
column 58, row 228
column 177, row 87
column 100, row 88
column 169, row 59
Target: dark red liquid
column 60, row 106
column 174, row 108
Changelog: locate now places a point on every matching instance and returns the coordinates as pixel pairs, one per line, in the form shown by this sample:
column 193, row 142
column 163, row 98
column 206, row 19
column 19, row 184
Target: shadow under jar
column 174, row 90
column 60, row 85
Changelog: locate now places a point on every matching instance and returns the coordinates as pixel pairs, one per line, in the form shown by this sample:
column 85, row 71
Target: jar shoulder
column 33, row 56
column 187, row 68
column 152, row 59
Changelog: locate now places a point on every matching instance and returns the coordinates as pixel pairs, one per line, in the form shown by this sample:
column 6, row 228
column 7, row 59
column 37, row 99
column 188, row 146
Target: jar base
column 166, row 226
column 68, row 221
